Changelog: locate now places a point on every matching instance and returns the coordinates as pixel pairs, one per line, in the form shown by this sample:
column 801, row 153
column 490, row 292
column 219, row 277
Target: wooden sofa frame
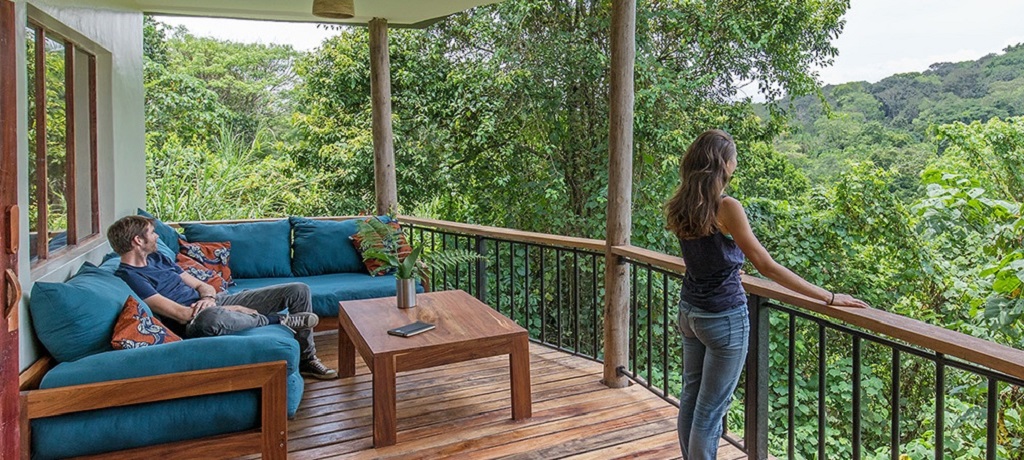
column 271, row 440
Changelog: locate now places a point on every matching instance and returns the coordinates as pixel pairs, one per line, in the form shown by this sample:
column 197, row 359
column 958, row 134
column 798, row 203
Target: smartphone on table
column 410, row 330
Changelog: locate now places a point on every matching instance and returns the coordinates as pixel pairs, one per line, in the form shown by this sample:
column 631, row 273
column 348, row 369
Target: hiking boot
column 316, row 369
column 300, row 321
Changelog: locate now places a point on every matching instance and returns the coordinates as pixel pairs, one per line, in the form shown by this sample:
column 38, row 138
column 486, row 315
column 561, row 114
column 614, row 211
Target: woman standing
column 714, row 236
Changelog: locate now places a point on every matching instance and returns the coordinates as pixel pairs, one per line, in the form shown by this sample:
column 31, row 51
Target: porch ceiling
column 399, row 13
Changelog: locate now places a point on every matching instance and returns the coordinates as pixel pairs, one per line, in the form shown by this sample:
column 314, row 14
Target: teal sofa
column 74, row 321
column 318, row 253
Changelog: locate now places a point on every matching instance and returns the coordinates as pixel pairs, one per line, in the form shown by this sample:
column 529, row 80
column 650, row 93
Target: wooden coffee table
column 466, row 329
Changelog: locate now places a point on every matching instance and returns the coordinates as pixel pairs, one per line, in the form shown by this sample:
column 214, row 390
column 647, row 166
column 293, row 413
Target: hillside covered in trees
column 893, row 122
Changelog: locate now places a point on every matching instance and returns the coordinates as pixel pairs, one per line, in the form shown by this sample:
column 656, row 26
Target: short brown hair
column 121, row 233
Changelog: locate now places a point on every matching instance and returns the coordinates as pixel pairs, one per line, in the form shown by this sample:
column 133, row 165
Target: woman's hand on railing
column 847, row 300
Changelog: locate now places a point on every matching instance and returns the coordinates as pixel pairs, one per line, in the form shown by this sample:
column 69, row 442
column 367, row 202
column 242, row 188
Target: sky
column 881, row 37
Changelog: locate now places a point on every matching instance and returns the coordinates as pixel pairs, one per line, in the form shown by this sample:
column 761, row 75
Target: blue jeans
column 714, row 351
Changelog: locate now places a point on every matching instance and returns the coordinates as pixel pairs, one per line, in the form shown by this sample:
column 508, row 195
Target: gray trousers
column 293, row 297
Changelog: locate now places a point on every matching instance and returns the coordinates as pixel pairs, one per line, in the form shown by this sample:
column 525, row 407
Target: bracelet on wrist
column 833, row 299
column 211, row 297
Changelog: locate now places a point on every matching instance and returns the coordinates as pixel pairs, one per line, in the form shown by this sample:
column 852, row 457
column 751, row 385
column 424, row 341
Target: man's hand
column 199, row 305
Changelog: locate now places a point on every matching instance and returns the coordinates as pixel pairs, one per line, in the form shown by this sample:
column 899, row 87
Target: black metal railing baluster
column 821, row 391
column 497, row 278
column 593, row 303
column 664, row 333
column 634, row 301
column 481, row 271
column 444, row 247
column 576, row 301
column 433, row 274
column 543, row 301
column 511, row 281
column 856, row 398
column 791, row 394
column 940, row 405
column 558, row 297
column 526, row 285
column 894, row 433
column 650, row 340
column 992, row 420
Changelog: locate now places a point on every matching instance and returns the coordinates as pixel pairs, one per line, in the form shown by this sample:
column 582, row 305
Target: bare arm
column 204, row 290
column 734, row 221
column 168, row 308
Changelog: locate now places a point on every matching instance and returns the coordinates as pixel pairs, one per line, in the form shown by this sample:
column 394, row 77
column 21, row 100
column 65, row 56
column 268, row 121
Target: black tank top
column 712, row 280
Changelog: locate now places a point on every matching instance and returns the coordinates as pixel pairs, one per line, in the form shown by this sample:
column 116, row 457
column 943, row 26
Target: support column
column 620, row 191
column 385, row 187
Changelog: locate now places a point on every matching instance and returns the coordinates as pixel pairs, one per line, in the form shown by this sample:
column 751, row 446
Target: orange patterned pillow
column 201, row 273
column 135, row 328
column 213, row 256
column 373, row 265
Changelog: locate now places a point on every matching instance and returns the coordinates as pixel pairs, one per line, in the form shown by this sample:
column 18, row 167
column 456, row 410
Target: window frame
column 71, row 139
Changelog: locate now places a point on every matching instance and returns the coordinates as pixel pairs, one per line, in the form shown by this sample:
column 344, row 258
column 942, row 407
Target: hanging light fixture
column 334, row 9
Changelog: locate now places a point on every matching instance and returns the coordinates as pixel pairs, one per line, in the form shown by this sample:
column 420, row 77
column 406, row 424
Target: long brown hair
column 692, row 212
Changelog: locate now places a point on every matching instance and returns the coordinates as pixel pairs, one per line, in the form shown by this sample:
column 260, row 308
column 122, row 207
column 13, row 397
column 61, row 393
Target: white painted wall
column 115, row 37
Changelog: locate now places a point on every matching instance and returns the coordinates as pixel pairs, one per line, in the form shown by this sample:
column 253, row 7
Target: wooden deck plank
column 464, row 410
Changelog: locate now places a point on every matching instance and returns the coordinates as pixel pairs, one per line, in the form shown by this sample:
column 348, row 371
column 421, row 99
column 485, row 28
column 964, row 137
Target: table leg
column 519, row 368
column 346, row 354
column 384, row 411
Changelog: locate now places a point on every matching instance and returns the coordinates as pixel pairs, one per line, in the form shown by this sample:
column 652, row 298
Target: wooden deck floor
column 463, row 411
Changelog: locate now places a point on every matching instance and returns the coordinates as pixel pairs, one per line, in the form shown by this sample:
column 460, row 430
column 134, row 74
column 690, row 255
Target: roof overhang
column 398, row 13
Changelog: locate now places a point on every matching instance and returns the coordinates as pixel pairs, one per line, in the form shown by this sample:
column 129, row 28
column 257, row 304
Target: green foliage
column 976, row 213
column 382, row 242
column 194, row 85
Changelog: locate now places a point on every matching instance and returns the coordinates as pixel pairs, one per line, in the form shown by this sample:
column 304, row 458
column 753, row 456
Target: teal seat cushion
column 258, row 249
column 257, row 345
column 320, row 247
column 168, row 235
column 328, row 290
column 139, row 425
column 76, row 318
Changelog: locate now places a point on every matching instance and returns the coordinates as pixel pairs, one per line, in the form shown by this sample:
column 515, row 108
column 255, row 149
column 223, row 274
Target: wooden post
column 10, row 415
column 383, row 144
column 620, row 196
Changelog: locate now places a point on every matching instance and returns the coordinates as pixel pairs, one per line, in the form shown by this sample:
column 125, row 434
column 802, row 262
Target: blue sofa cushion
column 328, row 290
column 166, row 421
column 258, row 249
column 76, row 319
column 321, row 247
column 167, row 234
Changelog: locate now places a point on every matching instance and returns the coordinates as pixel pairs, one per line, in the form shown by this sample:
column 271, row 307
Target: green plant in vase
column 386, row 247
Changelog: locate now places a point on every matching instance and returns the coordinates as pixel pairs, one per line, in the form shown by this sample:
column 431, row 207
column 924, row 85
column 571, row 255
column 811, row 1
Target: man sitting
column 193, row 308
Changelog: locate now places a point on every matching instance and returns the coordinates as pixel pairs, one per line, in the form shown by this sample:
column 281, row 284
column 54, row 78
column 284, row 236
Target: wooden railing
column 543, row 298
column 553, row 285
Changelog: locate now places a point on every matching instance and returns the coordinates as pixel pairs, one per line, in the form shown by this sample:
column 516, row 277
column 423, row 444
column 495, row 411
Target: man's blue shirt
column 159, row 276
